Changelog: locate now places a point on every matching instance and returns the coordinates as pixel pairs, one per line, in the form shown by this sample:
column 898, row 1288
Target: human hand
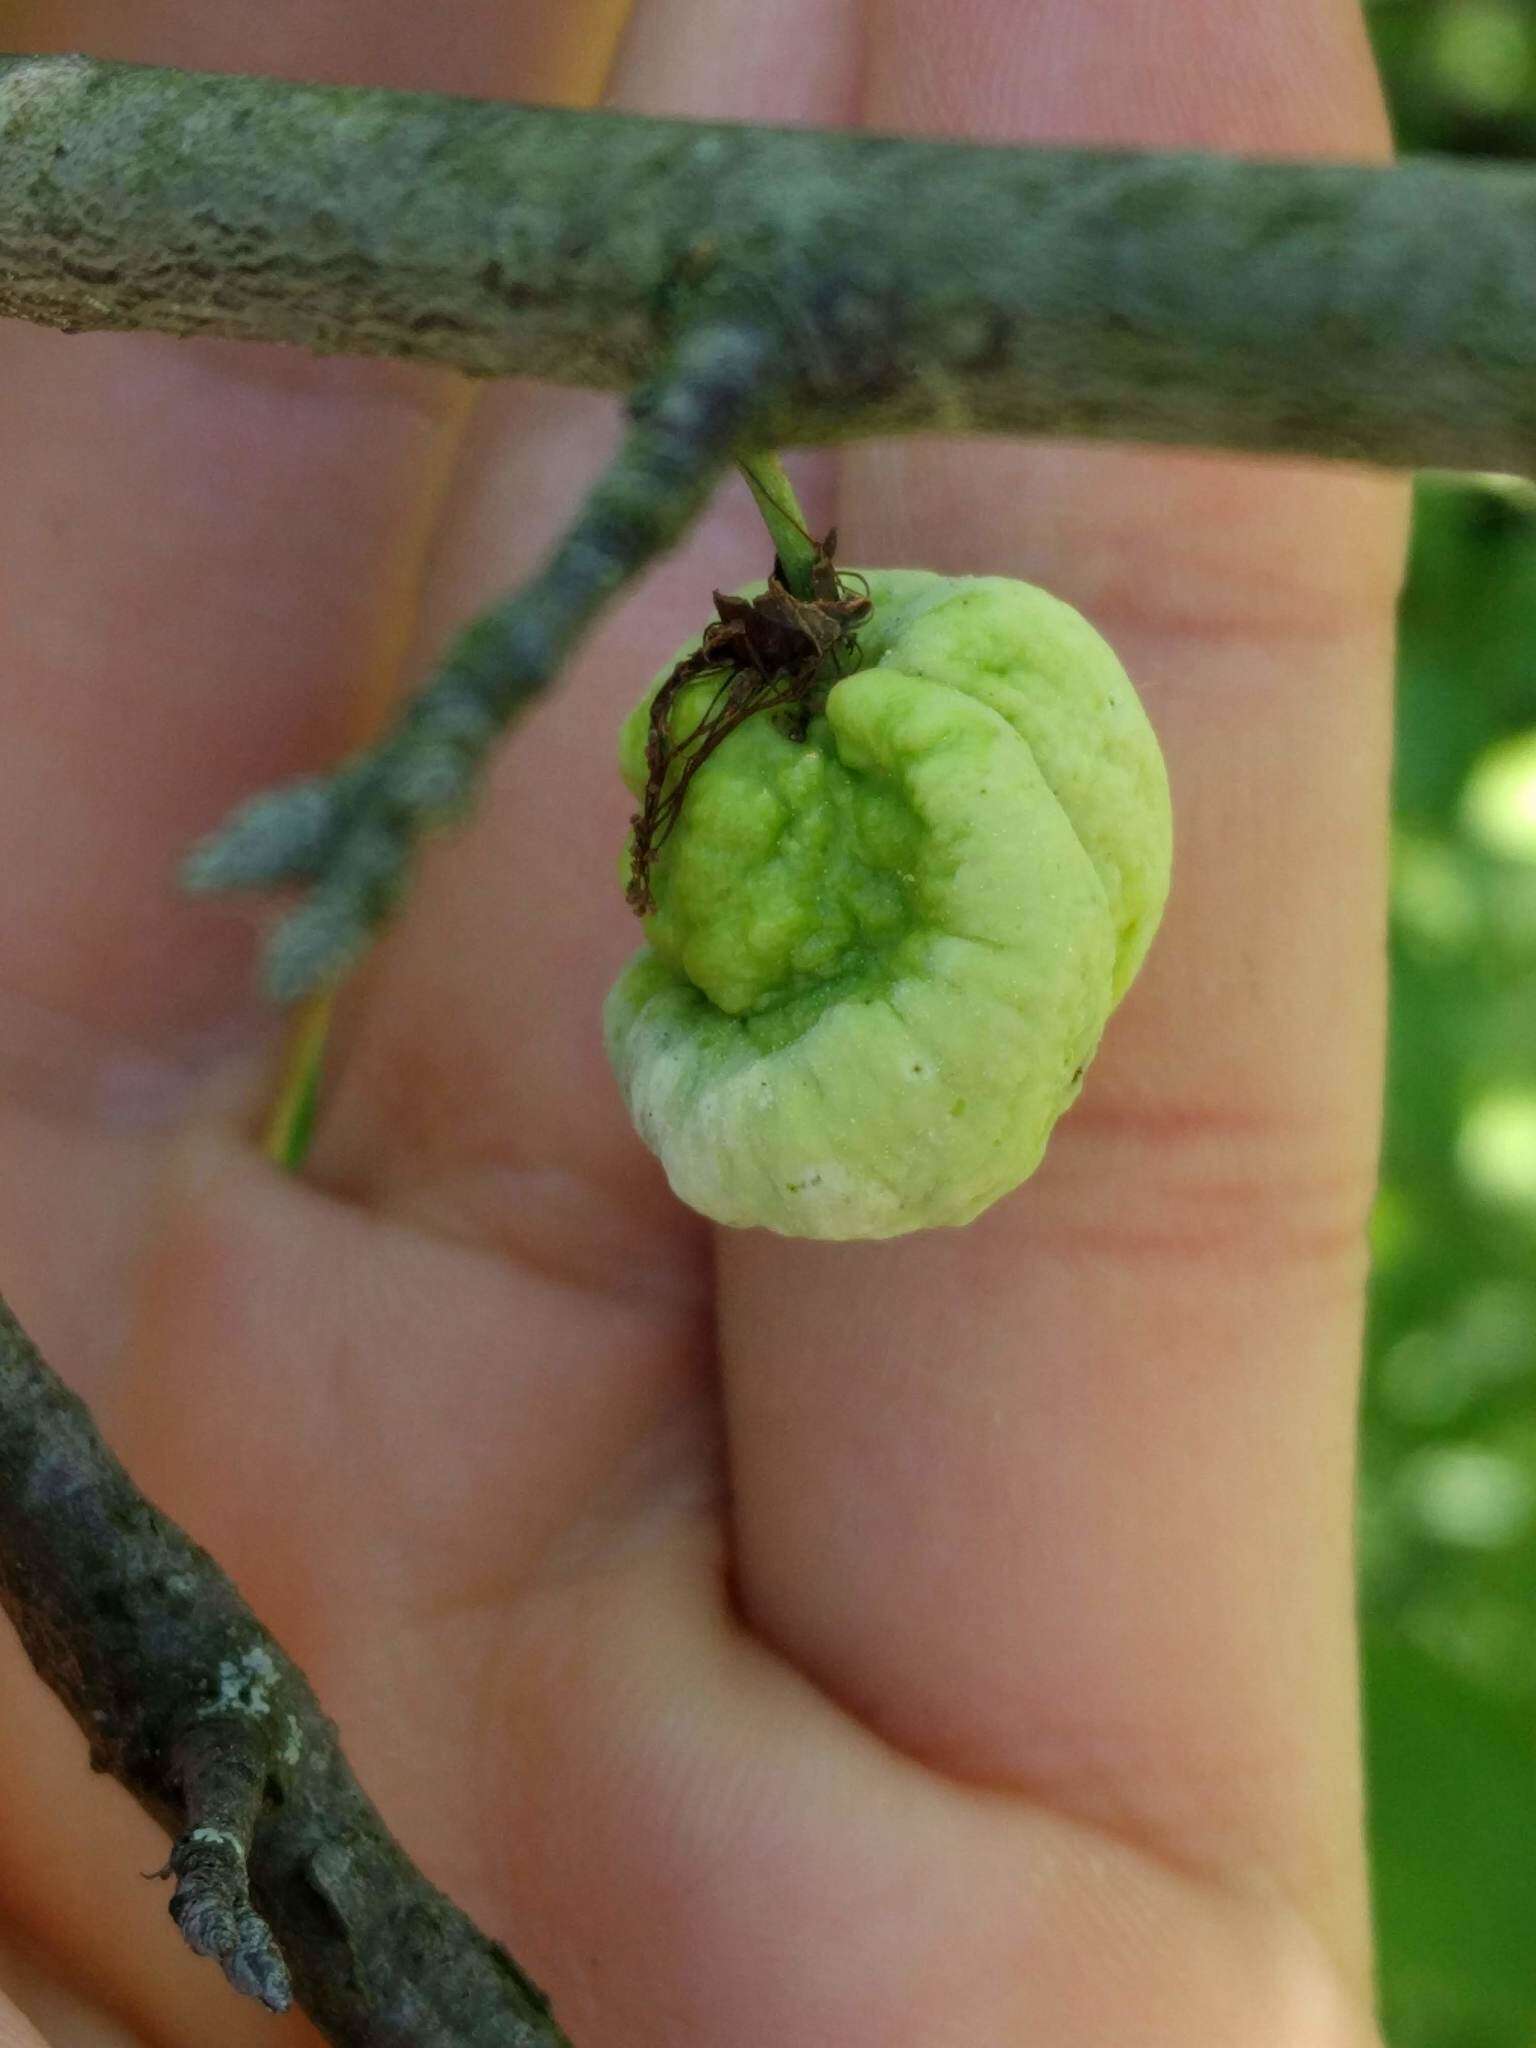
column 939, row 1641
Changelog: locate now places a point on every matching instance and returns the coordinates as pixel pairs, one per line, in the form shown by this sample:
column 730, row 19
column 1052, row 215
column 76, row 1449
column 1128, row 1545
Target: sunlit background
column 1449, row 1504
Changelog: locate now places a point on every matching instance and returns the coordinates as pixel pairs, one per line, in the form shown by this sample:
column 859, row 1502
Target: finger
column 468, row 1079
column 210, row 552
column 209, row 559
column 40, row 2005
column 1063, row 1502
column 15, row 2031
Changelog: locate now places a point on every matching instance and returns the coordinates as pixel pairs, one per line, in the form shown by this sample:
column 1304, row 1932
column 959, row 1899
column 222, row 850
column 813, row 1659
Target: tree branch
column 282, row 1863
column 1384, row 315
column 756, row 288
column 351, row 835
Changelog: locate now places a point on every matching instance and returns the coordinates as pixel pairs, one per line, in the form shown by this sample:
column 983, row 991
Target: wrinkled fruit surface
column 882, row 957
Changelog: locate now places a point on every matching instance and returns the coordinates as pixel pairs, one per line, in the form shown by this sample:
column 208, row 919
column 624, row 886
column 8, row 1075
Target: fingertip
column 1223, row 75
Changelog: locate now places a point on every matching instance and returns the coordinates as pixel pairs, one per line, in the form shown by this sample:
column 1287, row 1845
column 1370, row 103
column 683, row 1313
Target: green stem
column 291, row 1124
column 776, row 500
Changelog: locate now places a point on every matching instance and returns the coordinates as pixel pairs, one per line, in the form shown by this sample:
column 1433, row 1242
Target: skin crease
column 943, row 1642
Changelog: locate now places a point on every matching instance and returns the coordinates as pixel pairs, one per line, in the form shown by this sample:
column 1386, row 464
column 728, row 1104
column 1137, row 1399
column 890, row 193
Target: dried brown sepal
column 777, row 652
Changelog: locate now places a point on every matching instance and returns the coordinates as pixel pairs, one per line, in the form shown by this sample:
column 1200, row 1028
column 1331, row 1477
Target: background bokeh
column 1449, row 1494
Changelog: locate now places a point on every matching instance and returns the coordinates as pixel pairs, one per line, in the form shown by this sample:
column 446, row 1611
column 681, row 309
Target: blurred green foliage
column 1449, row 1496
column 1449, row 1483
column 1461, row 74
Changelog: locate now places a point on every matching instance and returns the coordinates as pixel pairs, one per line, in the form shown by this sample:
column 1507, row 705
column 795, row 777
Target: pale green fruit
column 882, row 957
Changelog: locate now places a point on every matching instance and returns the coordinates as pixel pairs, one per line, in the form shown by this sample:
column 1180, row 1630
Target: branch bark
column 755, row 288
column 284, row 1868
column 1382, row 315
column 351, row 836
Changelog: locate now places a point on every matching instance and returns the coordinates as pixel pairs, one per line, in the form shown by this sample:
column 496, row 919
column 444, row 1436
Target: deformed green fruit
column 882, row 956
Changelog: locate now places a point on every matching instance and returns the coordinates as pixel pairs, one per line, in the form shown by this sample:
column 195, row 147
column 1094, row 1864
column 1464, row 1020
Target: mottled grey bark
column 351, row 836
column 756, row 287
column 749, row 288
column 284, row 1869
column 1381, row 314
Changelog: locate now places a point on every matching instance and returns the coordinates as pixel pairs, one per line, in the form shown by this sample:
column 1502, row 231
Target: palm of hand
column 938, row 1641
column 502, row 1551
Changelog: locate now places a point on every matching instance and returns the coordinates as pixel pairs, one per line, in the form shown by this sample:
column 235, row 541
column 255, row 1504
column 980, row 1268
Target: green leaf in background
column 1454, row 1837
column 1449, row 1449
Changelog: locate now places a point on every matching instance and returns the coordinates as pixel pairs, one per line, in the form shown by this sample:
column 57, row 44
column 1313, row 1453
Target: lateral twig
column 286, row 1874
